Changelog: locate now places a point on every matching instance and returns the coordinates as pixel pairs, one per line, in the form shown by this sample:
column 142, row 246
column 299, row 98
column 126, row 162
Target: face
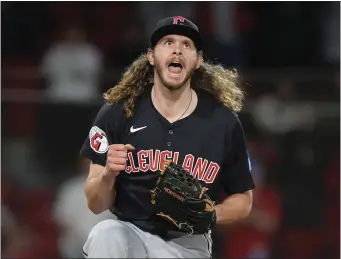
column 174, row 58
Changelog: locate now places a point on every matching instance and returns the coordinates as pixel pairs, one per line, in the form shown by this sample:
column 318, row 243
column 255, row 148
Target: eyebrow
column 167, row 38
column 183, row 41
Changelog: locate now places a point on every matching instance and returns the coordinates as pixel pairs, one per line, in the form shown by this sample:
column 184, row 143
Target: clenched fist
column 117, row 158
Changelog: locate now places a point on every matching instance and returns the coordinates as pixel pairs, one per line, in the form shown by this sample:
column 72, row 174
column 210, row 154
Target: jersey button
column 169, row 143
column 170, row 131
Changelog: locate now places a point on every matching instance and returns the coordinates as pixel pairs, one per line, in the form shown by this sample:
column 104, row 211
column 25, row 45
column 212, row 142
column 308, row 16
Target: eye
column 187, row 45
column 168, row 43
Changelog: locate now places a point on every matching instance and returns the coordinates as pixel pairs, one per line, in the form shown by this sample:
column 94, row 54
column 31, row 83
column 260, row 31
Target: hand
column 117, row 158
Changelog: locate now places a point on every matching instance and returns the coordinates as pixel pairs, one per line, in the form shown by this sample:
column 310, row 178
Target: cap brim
column 178, row 30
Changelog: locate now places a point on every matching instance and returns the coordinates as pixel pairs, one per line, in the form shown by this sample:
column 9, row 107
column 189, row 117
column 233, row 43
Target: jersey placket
column 170, row 137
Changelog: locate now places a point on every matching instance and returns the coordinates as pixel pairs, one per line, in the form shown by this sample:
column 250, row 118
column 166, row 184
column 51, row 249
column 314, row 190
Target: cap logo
column 178, row 18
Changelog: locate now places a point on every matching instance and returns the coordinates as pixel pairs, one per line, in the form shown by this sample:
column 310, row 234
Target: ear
column 200, row 59
column 150, row 56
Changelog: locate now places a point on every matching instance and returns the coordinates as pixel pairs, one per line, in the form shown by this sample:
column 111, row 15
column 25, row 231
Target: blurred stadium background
column 59, row 57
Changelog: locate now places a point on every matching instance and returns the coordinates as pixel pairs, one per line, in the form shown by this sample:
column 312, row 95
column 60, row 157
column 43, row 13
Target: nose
column 177, row 49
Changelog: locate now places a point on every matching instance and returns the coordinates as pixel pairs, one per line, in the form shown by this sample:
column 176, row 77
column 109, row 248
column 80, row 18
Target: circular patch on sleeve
column 98, row 140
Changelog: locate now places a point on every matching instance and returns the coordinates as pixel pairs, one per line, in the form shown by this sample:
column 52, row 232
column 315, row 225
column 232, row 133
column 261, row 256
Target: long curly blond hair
column 222, row 83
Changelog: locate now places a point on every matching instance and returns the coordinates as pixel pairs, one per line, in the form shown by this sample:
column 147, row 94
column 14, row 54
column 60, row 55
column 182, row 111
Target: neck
column 172, row 103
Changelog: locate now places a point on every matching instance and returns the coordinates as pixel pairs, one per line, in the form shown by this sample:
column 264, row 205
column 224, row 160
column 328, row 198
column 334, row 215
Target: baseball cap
column 176, row 25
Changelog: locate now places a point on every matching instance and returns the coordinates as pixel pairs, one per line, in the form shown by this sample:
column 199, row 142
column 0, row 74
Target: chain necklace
column 186, row 108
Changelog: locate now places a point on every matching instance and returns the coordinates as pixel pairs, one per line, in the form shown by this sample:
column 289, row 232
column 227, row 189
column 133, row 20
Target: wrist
column 108, row 176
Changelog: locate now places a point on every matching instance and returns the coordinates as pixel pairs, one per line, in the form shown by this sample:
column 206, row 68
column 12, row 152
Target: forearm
column 100, row 192
column 234, row 208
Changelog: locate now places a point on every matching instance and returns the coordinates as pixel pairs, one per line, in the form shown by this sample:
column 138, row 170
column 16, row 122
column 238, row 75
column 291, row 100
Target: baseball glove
column 179, row 198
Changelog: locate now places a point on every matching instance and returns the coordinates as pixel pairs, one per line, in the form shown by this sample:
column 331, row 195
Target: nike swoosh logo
column 132, row 130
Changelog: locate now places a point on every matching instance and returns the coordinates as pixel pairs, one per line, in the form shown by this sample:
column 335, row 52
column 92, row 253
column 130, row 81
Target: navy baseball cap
column 176, row 25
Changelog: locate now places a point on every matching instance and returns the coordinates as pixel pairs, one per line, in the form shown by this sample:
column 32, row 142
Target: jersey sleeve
column 236, row 173
column 100, row 136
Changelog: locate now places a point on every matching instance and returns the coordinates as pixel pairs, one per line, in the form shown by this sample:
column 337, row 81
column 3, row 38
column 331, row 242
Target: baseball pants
column 113, row 238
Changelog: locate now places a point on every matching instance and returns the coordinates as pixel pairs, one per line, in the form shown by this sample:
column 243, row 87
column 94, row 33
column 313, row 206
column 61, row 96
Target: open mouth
column 175, row 67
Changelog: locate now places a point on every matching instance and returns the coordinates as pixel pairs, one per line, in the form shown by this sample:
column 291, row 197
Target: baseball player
column 168, row 105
